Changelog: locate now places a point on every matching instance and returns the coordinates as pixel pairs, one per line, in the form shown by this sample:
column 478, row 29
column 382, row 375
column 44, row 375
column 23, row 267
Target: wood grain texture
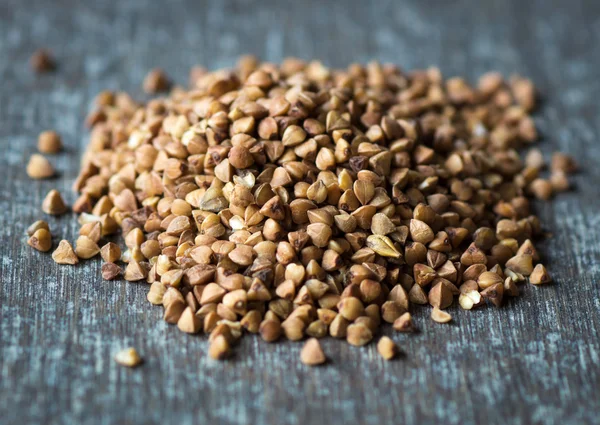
column 534, row 361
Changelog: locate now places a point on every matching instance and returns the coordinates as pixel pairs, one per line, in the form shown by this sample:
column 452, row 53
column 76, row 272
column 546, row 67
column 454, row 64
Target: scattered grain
column 387, row 348
column 358, row 334
column 128, row 357
column 42, row 61
column 86, row 248
column 156, row 81
column 440, row 316
column 64, row 254
column 39, row 167
column 539, row 275
column 219, row 348
column 37, row 225
column 110, row 271
column 404, row 323
column 41, row 240
column 312, row 353
column 110, row 252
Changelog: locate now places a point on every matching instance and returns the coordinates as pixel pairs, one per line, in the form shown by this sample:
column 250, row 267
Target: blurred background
column 116, row 42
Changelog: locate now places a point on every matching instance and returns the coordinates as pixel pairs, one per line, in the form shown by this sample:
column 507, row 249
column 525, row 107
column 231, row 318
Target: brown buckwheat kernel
column 299, row 201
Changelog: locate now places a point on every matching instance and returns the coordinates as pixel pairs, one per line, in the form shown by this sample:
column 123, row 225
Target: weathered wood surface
column 534, row 361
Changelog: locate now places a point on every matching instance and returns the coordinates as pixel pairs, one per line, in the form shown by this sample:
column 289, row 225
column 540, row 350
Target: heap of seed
column 301, row 201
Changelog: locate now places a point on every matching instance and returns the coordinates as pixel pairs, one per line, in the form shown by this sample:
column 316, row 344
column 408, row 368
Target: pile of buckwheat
column 301, row 201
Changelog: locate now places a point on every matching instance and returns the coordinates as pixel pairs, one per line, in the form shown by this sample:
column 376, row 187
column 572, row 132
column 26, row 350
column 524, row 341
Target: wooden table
column 534, row 361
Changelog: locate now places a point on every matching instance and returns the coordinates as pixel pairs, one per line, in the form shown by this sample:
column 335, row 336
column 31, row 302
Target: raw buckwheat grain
column 293, row 200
